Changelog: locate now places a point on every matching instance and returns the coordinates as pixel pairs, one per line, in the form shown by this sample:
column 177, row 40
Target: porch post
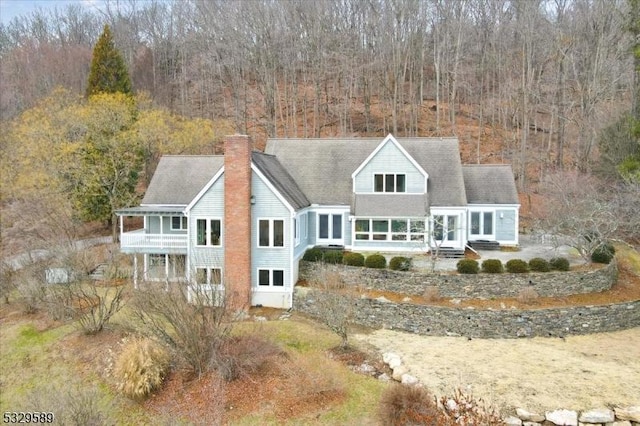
column 135, row 271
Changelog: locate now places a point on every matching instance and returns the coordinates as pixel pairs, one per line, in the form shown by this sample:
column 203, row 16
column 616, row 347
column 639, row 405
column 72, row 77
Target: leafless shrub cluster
column 334, row 303
column 75, row 406
column 402, row 405
column 528, row 295
column 192, row 321
column 465, row 409
column 431, row 293
column 242, row 356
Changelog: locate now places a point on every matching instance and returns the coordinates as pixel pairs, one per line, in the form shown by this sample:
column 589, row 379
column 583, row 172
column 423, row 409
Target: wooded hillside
column 546, row 85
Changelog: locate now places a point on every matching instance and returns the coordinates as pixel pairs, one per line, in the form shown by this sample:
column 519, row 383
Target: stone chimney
column 237, row 221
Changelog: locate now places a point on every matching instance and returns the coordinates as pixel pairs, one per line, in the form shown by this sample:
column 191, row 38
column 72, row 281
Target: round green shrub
column 517, row 266
column 313, row 254
column 376, row 261
column 559, row 264
column 467, row 266
column 492, row 266
column 604, row 253
column 332, row 256
column 538, row 264
column 400, row 263
column 353, row 259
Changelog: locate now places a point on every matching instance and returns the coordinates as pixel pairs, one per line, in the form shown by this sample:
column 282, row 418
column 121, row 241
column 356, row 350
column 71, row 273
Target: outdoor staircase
column 98, row 273
column 449, row 253
column 484, row 245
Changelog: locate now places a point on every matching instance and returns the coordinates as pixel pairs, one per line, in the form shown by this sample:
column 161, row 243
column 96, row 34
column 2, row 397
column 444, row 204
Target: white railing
column 141, row 240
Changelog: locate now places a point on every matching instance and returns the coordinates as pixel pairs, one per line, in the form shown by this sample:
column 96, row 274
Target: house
column 243, row 221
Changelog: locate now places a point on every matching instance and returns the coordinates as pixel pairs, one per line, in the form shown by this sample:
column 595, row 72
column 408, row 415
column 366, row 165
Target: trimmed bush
column 141, row 368
column 517, row 266
column 604, row 253
column 376, row 261
column 332, row 256
column 313, row 254
column 492, row 266
column 353, row 259
column 400, row 263
column 559, row 264
column 467, row 266
column 538, row 264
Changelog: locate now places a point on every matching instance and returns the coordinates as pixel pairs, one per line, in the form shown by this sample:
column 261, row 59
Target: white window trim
column 184, row 223
column 270, row 286
column 384, row 183
column 481, row 232
column 330, row 239
column 296, row 231
column 304, row 225
column 208, row 231
column 390, row 233
column 272, row 232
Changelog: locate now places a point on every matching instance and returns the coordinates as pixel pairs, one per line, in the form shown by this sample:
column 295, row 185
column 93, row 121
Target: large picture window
column 208, row 232
column 208, row 276
column 389, row 182
column 271, row 233
column 445, row 227
column 390, row 229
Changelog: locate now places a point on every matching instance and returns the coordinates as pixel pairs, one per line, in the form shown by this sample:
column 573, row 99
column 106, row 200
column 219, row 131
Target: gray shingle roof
column 280, row 179
column 322, row 168
column 490, row 184
column 179, row 178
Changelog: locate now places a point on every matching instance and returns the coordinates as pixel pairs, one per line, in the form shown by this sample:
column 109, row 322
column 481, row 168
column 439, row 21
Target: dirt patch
column 576, row 372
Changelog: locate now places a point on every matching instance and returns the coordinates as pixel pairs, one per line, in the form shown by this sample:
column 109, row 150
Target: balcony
column 140, row 242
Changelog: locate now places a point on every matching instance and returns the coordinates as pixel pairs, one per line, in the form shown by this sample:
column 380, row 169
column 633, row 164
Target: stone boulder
column 628, row 413
column 598, row 415
column 562, row 417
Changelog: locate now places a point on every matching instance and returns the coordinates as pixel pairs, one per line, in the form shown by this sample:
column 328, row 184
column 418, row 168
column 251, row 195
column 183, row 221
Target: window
column 482, row 222
column 296, row 231
column 178, row 223
column 208, row 276
column 389, row 182
column 208, row 232
column 445, row 227
column 270, row 277
column 271, row 233
column 390, row 229
column 330, row 226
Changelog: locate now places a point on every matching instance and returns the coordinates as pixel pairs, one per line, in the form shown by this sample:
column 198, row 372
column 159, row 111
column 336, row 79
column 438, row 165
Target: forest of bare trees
column 546, row 75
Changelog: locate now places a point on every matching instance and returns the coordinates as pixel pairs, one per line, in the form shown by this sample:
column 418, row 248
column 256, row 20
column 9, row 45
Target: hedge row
column 335, row 256
column 514, row 266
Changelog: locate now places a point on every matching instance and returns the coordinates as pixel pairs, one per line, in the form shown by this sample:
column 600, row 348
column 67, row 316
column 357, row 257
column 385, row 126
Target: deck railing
column 140, row 240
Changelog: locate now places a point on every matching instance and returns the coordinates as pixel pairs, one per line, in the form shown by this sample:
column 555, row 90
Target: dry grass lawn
column 577, row 372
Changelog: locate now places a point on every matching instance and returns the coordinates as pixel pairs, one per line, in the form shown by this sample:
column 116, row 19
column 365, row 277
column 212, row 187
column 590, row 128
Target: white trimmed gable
column 389, row 157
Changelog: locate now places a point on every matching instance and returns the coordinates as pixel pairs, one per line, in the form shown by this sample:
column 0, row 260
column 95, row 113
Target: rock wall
column 470, row 322
column 471, row 286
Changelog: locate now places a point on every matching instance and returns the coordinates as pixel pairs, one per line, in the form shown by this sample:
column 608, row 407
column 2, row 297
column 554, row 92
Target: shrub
column 242, row 356
column 410, row 405
column 353, row 259
column 141, row 367
column 431, row 293
column 376, row 261
column 603, row 253
column 332, row 256
column 538, row 264
column 467, row 266
column 527, row 295
column 559, row 263
column 492, row 266
column 400, row 263
column 313, row 254
column 517, row 266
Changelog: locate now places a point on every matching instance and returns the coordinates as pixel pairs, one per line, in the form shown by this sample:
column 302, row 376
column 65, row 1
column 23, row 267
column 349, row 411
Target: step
column 484, row 245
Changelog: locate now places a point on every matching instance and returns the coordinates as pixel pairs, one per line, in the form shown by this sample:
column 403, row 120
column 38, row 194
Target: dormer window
column 389, row 182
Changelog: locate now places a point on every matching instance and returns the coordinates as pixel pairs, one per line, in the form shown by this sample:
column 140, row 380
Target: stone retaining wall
column 470, row 322
column 471, row 286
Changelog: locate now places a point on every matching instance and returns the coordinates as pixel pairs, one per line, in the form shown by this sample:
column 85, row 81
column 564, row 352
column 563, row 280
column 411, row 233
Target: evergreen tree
column 108, row 72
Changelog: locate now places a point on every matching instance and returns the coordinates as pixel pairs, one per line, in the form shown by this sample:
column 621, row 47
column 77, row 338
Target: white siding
column 209, row 206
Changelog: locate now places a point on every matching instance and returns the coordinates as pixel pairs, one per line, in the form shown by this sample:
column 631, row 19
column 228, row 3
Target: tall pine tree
column 108, row 72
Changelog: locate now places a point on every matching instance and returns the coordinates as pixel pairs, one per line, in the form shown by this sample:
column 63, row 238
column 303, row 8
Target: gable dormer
column 389, row 169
